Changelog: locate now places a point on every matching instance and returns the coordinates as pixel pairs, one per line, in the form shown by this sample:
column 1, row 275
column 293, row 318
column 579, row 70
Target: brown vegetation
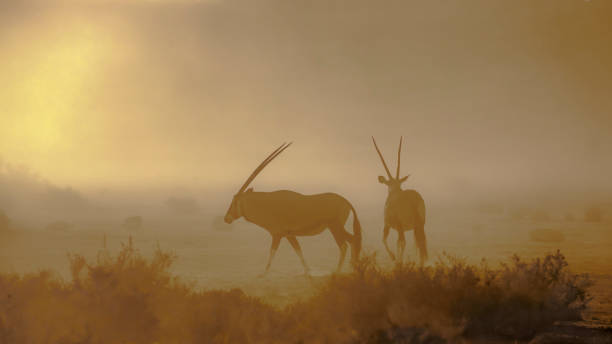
column 519, row 213
column 130, row 299
column 546, row 235
column 540, row 215
column 593, row 214
column 5, row 222
column 182, row 205
column 132, row 223
column 490, row 208
column 59, row 226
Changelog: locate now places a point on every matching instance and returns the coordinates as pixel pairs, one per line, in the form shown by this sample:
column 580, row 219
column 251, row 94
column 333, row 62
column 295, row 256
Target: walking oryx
column 288, row 214
column 404, row 210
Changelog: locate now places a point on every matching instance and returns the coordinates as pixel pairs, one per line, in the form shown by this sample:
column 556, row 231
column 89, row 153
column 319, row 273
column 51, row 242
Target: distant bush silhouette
column 593, row 214
column 546, row 235
column 59, row 226
column 132, row 223
column 539, row 215
column 129, row 299
column 21, row 187
column 5, row 222
column 490, row 208
column 62, row 199
column 184, row 205
column 519, row 213
column 530, row 214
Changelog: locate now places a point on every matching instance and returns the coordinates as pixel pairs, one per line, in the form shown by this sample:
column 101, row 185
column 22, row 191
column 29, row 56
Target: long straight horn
column 399, row 154
column 263, row 164
column 381, row 158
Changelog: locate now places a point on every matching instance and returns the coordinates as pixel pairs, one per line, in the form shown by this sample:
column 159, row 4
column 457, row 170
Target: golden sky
column 485, row 93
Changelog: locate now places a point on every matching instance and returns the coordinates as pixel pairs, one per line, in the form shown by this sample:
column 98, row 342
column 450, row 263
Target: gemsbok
column 404, row 211
column 288, row 214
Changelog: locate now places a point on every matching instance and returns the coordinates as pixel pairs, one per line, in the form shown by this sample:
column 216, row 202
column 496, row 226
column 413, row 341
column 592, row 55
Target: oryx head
column 235, row 210
column 392, row 183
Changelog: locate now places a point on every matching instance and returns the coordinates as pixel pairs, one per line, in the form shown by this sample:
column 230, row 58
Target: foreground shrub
column 126, row 299
column 450, row 299
column 130, row 299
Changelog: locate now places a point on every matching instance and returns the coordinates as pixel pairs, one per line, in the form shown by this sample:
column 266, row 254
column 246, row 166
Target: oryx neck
column 241, row 206
column 396, row 191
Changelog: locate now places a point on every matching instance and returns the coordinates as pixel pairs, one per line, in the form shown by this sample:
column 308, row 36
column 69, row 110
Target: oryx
column 404, row 211
column 288, row 214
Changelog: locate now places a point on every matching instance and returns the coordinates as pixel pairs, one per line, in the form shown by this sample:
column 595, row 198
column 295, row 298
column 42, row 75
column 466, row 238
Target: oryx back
column 405, row 210
column 286, row 212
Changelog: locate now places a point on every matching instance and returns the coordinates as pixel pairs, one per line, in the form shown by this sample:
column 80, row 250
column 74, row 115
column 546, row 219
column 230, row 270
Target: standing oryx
column 288, row 214
column 404, row 210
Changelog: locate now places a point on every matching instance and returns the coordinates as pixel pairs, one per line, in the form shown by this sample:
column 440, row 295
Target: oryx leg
column 385, row 235
column 340, row 235
column 275, row 242
column 401, row 245
column 296, row 247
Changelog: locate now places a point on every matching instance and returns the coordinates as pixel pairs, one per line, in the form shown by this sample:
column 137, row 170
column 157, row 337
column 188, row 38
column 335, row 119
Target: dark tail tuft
column 356, row 242
column 421, row 242
column 419, row 231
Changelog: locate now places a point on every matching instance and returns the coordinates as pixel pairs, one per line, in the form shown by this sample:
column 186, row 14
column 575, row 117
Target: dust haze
column 139, row 120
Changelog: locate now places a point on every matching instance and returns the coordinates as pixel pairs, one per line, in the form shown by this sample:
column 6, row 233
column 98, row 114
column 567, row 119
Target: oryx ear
column 249, row 190
column 404, row 179
column 382, row 180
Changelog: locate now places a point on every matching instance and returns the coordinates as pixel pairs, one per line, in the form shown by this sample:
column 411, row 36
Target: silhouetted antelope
column 404, row 210
column 288, row 214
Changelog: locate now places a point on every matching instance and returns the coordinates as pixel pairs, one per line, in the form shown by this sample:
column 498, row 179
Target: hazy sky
column 488, row 94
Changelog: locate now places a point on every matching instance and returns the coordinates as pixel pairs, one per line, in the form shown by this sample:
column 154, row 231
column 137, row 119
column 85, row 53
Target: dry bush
column 132, row 223
column 593, row 214
column 130, row 299
column 540, row 215
column 183, row 205
column 5, row 222
column 518, row 214
column 59, row 226
column 127, row 299
column 448, row 300
column 546, row 235
column 490, row 208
